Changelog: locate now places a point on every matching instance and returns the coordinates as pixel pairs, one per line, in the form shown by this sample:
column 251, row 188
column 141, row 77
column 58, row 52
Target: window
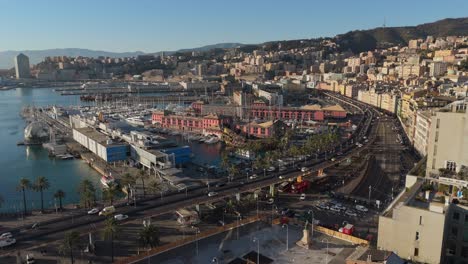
column 456, row 216
column 438, row 123
column 451, row 165
column 454, row 231
column 420, row 220
column 437, row 136
column 435, row 150
column 464, row 252
column 416, row 252
column 417, row 236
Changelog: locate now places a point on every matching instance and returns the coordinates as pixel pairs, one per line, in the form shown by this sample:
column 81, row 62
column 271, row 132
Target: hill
column 363, row 40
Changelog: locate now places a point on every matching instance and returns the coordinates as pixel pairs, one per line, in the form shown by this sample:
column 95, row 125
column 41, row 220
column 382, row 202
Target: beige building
column 421, row 132
column 448, row 140
column 383, row 100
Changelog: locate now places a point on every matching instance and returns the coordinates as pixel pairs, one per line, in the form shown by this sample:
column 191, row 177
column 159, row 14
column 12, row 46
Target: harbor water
column 31, row 162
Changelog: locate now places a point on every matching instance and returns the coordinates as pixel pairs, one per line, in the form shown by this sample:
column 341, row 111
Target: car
column 361, row 208
column 220, row 184
column 210, row 194
column 30, row 259
column 107, row 211
column 281, row 177
column 270, row 201
column 7, row 242
column 304, row 169
column 271, row 169
column 282, row 168
column 120, row 217
column 335, row 209
column 6, row 235
column 350, row 213
column 284, row 211
column 221, row 223
column 93, row 211
column 253, row 176
column 302, row 197
column 323, row 206
column 333, row 159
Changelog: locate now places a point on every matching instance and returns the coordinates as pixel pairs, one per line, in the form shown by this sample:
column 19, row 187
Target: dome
column 36, row 131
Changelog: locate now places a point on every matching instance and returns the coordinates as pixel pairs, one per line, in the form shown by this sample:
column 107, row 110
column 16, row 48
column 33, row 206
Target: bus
column 187, row 217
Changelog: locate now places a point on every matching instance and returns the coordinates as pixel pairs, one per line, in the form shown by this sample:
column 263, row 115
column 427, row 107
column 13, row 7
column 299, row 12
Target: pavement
column 272, row 242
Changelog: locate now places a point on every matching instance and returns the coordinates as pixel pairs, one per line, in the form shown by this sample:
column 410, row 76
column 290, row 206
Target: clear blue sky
column 154, row 25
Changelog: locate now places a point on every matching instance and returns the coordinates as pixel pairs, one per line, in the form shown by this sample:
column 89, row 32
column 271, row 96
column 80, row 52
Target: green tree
column 110, row 193
column 69, row 244
column 110, row 229
column 224, row 160
column 154, row 186
column 87, row 193
column 294, row 151
column 149, row 236
column 59, row 194
column 142, row 177
column 128, row 181
column 41, row 184
column 24, row 184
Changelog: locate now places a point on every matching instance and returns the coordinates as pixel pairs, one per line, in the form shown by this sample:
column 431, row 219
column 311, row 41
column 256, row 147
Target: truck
column 347, row 229
column 284, row 187
column 300, row 187
column 107, row 211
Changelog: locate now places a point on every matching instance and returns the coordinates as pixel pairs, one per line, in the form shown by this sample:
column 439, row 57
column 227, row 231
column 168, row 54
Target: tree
column 149, row 236
column 224, row 160
column 70, row 243
column 128, row 181
column 110, row 193
column 24, row 185
column 294, row 151
column 59, row 194
column 110, row 229
column 143, row 176
column 154, row 187
column 87, row 193
column 41, row 184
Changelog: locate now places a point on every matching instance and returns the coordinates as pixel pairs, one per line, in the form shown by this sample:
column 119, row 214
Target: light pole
column 257, row 205
column 370, row 190
column 287, row 236
column 238, row 225
column 312, row 231
column 258, row 248
column 264, row 172
column 326, row 256
column 197, row 230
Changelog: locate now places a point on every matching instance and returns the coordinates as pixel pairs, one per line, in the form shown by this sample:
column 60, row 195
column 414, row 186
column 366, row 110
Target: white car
column 333, row 159
column 302, row 197
column 271, row 169
column 350, row 213
column 6, row 235
column 93, row 211
column 281, row 177
column 253, row 176
column 120, row 217
column 335, row 209
column 210, row 194
column 361, row 208
column 270, row 201
column 7, row 242
column 304, row 169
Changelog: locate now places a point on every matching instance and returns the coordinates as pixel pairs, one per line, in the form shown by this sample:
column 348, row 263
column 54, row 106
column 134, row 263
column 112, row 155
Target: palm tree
column 41, row 184
column 24, row 185
column 70, row 243
column 111, row 192
column 143, row 176
column 128, row 181
column 149, row 236
column 87, row 193
column 154, row 187
column 59, row 194
column 110, row 229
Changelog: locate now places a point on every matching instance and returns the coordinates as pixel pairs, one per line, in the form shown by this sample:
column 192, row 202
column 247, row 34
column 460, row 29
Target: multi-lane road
column 53, row 231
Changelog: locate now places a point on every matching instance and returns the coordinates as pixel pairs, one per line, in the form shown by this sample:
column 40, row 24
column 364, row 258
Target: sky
column 157, row 25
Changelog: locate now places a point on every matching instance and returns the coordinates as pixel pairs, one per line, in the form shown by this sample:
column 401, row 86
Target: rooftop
column 98, row 136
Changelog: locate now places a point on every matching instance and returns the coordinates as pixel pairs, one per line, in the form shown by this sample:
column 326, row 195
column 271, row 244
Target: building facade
column 22, row 66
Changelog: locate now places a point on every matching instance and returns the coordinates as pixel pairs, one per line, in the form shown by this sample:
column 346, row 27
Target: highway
column 54, row 231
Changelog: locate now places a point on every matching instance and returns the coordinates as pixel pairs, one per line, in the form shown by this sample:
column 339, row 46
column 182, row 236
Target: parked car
column 304, row 169
column 302, row 197
column 210, row 194
column 361, row 208
column 6, row 235
column 335, row 209
column 323, row 206
column 271, row 169
column 350, row 213
column 281, row 177
column 120, row 217
column 220, row 184
column 7, row 242
column 270, row 201
column 93, row 211
column 253, row 176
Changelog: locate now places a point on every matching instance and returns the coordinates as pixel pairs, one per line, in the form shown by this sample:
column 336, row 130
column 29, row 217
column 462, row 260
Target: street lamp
column 312, row 213
column 197, row 231
column 264, row 172
column 326, row 256
column 258, row 248
column 287, row 236
column 238, row 225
